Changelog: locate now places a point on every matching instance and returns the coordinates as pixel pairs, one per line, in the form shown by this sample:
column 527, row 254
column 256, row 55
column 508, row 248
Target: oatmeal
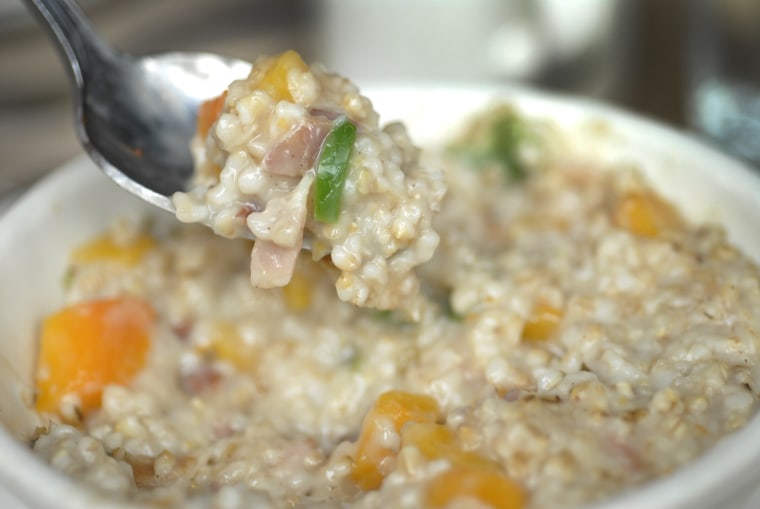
column 576, row 337
column 294, row 154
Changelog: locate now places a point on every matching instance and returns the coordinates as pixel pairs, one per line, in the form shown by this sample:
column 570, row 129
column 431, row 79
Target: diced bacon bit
column 328, row 114
column 272, row 266
column 279, row 236
column 208, row 112
column 628, row 454
column 296, row 152
column 183, row 328
column 223, row 430
column 198, row 378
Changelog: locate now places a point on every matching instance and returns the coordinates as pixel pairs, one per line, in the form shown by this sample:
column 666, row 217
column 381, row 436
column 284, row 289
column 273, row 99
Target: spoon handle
column 73, row 35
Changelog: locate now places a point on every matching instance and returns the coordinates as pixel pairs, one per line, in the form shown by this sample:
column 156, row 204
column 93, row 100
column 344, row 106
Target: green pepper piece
column 331, row 170
column 506, row 136
column 497, row 137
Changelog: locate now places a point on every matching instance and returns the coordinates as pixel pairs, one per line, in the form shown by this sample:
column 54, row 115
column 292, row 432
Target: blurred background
column 694, row 64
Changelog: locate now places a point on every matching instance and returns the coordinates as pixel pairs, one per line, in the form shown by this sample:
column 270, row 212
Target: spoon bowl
column 135, row 116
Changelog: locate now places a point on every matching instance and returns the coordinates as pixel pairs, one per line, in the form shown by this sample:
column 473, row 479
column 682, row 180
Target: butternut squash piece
column 297, row 292
column 542, row 322
column 208, row 112
column 275, row 80
column 86, row 346
column 437, row 441
column 644, row 214
column 392, row 409
column 226, row 344
column 103, row 248
column 489, row 487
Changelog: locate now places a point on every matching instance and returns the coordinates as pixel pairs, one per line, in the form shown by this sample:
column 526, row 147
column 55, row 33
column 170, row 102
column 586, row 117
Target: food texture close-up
column 353, row 254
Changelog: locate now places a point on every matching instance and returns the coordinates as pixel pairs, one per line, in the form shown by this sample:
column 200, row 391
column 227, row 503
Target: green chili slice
column 331, row 170
column 507, row 133
column 498, row 137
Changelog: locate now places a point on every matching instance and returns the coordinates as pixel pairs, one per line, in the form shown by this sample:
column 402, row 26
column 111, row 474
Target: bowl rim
column 22, row 473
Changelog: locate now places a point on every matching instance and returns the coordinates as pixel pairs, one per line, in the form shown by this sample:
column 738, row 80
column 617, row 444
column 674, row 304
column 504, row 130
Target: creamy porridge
column 272, row 137
column 573, row 337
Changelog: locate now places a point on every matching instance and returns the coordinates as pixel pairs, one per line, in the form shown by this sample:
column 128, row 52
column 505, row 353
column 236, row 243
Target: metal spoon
column 135, row 116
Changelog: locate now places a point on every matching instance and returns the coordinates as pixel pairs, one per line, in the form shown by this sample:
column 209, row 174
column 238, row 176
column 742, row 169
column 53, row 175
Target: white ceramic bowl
column 75, row 202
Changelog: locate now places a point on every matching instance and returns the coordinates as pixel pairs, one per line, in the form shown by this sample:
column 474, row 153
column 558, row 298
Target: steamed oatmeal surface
column 575, row 334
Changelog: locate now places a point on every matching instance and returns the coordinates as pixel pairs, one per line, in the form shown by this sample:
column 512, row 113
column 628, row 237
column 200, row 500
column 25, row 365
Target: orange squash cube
column 542, row 322
column 644, row 214
column 275, row 80
column 86, row 346
column 226, row 344
column 297, row 293
column 208, row 113
column 103, row 248
column 392, row 409
column 437, row 441
column 489, row 487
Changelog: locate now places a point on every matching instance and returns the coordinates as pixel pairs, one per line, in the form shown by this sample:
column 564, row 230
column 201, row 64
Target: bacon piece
column 198, row 378
column 183, row 328
column 296, row 152
column 278, row 230
column 272, row 265
column 325, row 113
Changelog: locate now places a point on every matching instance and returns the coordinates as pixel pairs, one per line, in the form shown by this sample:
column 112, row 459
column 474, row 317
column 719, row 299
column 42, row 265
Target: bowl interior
column 77, row 201
column 37, row 233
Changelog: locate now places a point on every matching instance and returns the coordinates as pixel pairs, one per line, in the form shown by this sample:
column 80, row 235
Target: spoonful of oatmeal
column 288, row 154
